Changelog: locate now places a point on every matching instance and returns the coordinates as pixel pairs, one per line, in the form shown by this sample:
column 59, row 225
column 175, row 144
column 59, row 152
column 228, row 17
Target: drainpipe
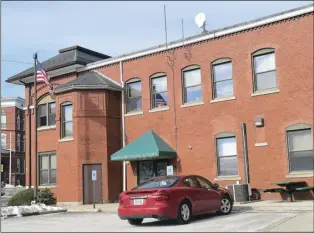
column 245, row 153
column 123, row 124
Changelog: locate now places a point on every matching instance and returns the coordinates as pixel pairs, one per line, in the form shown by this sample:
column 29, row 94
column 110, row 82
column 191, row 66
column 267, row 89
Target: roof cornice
column 210, row 35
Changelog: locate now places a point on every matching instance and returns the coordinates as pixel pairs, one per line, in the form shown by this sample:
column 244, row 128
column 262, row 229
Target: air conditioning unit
column 240, row 192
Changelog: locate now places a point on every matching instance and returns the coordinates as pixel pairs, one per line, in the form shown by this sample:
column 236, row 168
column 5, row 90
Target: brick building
column 184, row 105
column 13, row 138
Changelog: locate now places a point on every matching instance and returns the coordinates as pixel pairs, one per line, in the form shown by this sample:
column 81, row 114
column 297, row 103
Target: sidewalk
column 299, row 223
column 276, row 206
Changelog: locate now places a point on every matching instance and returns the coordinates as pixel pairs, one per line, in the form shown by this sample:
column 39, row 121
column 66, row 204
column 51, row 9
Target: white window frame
column 134, row 80
column 258, row 53
column 49, row 155
column 3, row 120
column 220, row 61
column 223, row 136
column 62, row 134
column 152, row 93
column 291, row 128
column 4, row 136
column 184, row 87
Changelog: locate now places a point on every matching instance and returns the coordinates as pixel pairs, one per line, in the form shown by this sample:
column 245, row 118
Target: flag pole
column 35, row 126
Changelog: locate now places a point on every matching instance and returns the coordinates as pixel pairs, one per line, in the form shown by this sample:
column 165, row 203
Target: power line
column 21, row 62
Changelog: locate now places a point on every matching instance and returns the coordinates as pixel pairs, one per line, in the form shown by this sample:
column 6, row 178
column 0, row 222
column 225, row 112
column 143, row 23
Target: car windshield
column 165, row 182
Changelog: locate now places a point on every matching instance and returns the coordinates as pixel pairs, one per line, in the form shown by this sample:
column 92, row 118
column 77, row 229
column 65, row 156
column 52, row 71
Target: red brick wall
column 96, row 125
column 197, row 126
column 47, row 139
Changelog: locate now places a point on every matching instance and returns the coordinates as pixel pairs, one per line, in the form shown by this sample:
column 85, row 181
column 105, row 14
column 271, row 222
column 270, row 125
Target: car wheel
column 135, row 221
column 184, row 213
column 226, row 206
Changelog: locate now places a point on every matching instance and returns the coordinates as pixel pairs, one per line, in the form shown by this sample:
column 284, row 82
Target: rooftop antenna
column 165, row 17
column 182, row 31
column 200, row 20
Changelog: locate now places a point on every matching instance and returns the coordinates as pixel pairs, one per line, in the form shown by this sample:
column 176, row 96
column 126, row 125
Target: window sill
column 300, row 174
column 223, row 99
column 134, row 113
column 47, row 186
column 219, row 178
column 260, row 144
column 159, row 109
column 66, row 139
column 266, row 92
column 191, row 104
column 42, row 128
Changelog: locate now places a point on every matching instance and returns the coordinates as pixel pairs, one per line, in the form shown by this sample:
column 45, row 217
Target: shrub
column 46, row 197
column 24, row 197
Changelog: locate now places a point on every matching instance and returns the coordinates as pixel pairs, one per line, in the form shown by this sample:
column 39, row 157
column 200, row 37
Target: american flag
column 42, row 75
column 159, row 100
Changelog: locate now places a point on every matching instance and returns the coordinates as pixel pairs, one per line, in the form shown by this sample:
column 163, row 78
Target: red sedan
column 173, row 197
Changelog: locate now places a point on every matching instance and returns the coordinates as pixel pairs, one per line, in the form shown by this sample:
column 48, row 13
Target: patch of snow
column 18, row 211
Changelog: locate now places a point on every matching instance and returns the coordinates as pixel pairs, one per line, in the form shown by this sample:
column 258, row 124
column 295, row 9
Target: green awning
column 147, row 146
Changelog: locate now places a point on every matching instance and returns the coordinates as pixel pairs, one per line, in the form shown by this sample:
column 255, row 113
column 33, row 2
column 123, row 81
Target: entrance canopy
column 147, row 147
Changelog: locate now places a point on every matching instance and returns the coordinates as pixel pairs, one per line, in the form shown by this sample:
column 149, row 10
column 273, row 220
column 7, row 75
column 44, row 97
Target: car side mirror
column 216, row 186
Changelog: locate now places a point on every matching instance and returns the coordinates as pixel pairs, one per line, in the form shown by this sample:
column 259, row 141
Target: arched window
column 134, row 95
column 226, row 150
column 66, row 120
column 300, row 147
column 264, row 69
column 3, row 141
column 159, row 91
column 222, row 83
column 46, row 115
column 3, row 120
column 191, row 84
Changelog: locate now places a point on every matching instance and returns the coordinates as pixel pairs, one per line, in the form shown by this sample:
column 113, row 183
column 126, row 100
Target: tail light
column 162, row 196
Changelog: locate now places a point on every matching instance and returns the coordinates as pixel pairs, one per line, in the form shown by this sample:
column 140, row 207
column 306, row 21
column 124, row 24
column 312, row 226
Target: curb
column 37, row 213
column 84, row 211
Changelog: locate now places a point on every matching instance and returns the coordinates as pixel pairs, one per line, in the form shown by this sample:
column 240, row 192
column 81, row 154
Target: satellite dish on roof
column 200, row 19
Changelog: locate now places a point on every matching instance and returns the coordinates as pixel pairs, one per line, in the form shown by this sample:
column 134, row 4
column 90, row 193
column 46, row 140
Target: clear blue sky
column 112, row 28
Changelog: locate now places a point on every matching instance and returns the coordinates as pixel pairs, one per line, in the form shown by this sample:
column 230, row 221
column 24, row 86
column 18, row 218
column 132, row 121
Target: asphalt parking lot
column 102, row 222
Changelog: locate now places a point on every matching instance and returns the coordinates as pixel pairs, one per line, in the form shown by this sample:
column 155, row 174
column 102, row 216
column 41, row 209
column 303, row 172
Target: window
column 227, row 159
column 3, row 141
column 150, row 168
column 47, row 114
column 222, row 78
column 264, row 70
column 48, row 166
column 192, row 89
column 23, row 144
column 134, row 96
column 159, row 93
column 3, row 121
column 18, row 121
column 18, row 142
column 67, row 120
column 300, row 149
column 204, row 183
column 20, row 166
column 165, row 182
column 190, row 182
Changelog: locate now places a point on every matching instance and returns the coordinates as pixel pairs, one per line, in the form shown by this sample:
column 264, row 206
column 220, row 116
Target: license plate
column 138, row 201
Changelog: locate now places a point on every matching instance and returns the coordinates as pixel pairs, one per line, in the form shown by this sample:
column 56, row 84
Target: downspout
column 123, row 124
column 245, row 153
column 246, row 159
